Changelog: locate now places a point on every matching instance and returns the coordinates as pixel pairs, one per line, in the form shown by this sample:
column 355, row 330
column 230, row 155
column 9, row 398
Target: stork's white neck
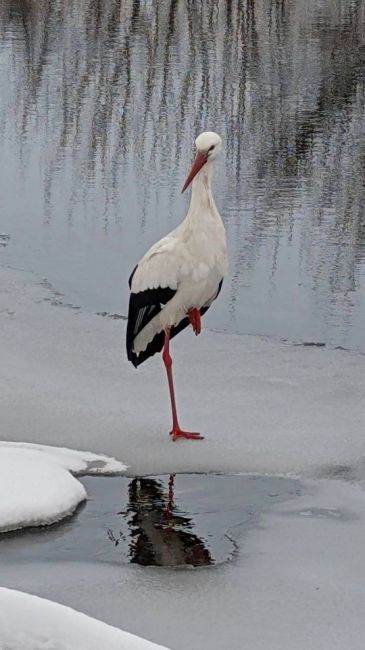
column 201, row 193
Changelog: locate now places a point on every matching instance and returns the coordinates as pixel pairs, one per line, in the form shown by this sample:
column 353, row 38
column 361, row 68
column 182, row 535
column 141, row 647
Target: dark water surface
column 183, row 520
column 100, row 102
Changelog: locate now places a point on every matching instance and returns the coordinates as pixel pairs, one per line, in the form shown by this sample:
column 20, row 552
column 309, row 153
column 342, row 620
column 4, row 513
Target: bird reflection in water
column 159, row 534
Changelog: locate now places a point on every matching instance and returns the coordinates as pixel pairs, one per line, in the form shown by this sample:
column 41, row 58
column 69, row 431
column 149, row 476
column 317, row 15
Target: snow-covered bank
column 31, row 623
column 263, row 405
column 36, row 485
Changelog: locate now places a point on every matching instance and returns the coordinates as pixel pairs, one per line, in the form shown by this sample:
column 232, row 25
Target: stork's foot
column 195, row 319
column 177, row 433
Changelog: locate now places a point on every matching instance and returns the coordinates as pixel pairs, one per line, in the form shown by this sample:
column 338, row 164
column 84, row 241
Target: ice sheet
column 264, row 405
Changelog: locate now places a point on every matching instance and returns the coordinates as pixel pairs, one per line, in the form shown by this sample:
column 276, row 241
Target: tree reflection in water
column 159, row 534
column 99, row 105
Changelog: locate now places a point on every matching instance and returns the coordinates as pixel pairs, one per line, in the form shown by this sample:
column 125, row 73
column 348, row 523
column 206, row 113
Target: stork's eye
column 211, row 148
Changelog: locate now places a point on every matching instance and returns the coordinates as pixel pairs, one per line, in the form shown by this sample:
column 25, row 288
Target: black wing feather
column 131, row 276
column 145, row 305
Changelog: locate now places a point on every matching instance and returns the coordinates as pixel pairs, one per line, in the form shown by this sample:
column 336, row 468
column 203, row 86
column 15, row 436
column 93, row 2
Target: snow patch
column 28, row 622
column 36, row 485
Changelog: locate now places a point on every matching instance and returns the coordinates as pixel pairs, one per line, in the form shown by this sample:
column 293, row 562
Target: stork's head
column 208, row 146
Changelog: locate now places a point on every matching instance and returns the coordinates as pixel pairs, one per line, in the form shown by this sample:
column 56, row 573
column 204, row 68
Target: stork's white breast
column 185, row 256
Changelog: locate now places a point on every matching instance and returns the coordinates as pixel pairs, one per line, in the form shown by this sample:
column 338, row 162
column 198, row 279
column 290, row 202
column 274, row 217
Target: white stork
column 178, row 278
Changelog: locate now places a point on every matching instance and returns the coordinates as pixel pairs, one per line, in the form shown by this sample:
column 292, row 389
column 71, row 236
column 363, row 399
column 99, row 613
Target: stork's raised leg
column 176, row 432
column 195, row 319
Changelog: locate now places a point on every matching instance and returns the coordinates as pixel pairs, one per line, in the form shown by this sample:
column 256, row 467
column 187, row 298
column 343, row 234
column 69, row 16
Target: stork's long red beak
column 200, row 160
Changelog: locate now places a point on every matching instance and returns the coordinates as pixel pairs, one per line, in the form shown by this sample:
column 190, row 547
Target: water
column 171, row 521
column 99, row 107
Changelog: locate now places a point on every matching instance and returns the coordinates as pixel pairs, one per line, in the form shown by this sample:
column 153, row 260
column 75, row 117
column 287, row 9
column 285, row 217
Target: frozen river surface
column 296, row 575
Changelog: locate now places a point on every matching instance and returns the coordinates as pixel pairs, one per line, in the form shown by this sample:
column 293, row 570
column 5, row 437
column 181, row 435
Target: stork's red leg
column 194, row 317
column 170, row 502
column 176, row 432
